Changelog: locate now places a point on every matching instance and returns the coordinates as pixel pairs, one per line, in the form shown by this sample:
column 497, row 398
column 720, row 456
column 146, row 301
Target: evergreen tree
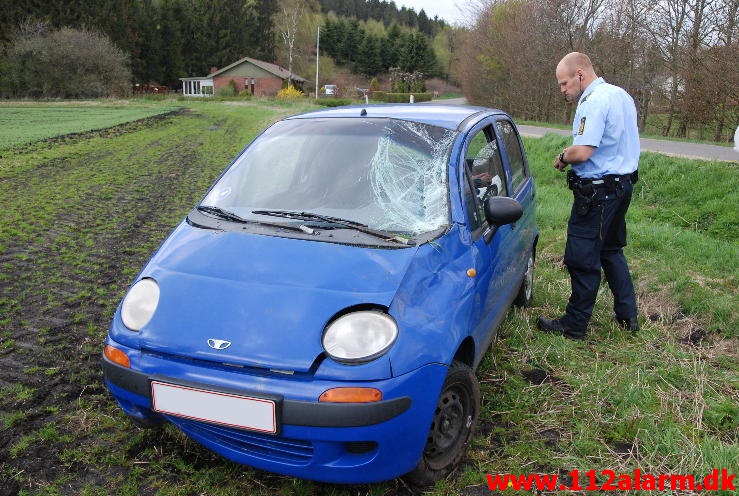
column 351, row 41
column 171, row 61
column 369, row 58
column 424, row 25
column 145, row 53
column 391, row 47
column 417, row 55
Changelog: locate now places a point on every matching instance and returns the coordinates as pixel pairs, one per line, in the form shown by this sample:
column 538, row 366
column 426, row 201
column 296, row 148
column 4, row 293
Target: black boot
column 555, row 326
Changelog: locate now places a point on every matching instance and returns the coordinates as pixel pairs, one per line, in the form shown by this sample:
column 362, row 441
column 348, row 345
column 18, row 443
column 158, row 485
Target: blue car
column 320, row 313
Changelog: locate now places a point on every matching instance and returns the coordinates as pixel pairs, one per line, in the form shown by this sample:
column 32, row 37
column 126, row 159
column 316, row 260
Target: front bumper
column 330, row 442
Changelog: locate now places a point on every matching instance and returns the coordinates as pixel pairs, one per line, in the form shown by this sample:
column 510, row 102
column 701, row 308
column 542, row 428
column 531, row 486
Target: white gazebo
column 197, row 86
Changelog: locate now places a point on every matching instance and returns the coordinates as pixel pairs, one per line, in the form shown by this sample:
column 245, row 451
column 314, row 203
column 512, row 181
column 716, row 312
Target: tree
column 287, row 19
column 369, row 60
column 390, row 49
column 65, row 63
column 721, row 62
column 424, row 25
column 505, row 67
column 417, row 55
column 445, row 48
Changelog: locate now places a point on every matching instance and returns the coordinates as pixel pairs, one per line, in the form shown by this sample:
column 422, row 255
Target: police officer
column 604, row 158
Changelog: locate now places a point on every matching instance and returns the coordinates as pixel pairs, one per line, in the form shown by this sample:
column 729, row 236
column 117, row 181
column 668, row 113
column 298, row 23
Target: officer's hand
column 559, row 165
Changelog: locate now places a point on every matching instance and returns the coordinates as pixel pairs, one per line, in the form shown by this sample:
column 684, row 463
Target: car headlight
column 360, row 336
column 140, row 304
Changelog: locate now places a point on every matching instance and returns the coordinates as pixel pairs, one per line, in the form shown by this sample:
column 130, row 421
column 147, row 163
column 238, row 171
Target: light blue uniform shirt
column 606, row 119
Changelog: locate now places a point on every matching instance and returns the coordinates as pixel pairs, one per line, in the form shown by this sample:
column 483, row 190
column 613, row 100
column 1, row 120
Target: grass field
column 84, row 214
column 23, row 124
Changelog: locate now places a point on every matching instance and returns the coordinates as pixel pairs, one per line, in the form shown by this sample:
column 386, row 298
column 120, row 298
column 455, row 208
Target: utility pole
column 318, row 43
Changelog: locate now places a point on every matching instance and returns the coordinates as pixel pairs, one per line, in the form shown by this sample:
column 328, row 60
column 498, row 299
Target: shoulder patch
column 582, row 126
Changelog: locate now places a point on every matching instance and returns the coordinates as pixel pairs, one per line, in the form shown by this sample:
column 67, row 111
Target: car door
column 485, row 175
column 522, row 189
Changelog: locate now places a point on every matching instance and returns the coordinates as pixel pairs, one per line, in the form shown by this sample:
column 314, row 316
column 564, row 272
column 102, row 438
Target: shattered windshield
column 387, row 174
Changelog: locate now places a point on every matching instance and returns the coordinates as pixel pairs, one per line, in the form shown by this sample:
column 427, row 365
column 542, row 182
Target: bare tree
column 724, row 67
column 287, row 21
column 664, row 23
column 506, row 67
column 677, row 57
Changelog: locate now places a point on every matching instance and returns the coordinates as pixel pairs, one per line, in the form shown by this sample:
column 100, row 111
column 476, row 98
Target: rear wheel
column 451, row 429
column 525, row 296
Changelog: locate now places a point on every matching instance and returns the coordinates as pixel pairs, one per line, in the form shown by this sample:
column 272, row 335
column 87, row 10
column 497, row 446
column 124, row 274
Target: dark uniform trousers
column 596, row 235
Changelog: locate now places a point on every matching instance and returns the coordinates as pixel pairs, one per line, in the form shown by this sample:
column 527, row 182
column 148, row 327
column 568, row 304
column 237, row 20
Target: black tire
column 145, row 423
column 454, row 422
column 525, row 296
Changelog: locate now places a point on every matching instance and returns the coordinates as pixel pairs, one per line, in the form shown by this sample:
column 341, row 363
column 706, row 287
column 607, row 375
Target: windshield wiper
column 225, row 214
column 351, row 224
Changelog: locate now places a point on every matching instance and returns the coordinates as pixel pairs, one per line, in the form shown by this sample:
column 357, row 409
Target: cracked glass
column 388, row 174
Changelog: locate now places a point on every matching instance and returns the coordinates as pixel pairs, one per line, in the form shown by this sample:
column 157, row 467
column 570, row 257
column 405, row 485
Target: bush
column 333, row 102
column 66, row 63
column 374, row 85
column 401, row 97
column 227, row 91
column 290, row 93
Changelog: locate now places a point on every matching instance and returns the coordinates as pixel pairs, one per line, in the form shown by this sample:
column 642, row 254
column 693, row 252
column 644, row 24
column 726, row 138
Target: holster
column 583, row 193
column 583, row 198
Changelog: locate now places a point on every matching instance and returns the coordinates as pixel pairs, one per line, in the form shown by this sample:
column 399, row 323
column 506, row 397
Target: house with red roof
column 251, row 75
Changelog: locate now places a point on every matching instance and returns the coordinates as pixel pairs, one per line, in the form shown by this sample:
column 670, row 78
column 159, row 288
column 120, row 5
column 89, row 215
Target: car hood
column 270, row 297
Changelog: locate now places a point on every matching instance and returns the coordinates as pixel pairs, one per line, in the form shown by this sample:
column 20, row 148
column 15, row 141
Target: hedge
column 401, row 97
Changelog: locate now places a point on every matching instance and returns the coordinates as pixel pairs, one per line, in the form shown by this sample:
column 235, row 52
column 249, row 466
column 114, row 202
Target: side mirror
column 501, row 210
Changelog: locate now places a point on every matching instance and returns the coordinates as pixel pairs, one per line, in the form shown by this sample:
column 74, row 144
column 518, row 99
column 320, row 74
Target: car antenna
column 363, row 112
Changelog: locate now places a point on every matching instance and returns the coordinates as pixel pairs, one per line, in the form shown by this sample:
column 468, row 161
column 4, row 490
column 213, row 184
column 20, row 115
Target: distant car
column 331, row 90
column 322, row 309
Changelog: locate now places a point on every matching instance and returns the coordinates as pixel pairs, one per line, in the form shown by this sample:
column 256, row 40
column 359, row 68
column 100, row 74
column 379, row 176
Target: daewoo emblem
column 218, row 344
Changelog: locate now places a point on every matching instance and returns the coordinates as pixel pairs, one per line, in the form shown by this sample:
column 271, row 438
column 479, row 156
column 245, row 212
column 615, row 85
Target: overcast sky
column 449, row 10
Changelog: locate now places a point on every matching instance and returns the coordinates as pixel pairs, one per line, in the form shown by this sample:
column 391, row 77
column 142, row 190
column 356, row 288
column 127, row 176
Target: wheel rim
column 529, row 279
column 452, row 420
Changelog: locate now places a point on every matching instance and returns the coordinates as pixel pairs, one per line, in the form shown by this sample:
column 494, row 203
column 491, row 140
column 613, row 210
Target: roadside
column 666, row 147
column 673, row 148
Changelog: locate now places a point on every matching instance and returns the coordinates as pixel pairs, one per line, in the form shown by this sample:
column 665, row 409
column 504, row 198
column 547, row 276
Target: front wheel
column 525, row 296
column 452, row 427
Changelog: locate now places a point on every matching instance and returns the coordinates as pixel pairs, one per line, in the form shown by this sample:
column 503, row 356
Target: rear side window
column 516, row 154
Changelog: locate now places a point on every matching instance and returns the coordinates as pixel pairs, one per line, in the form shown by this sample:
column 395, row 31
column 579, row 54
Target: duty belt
column 609, row 181
column 608, row 178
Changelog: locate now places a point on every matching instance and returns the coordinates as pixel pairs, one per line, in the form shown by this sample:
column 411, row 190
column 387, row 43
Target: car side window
column 485, row 174
column 471, row 205
column 516, row 154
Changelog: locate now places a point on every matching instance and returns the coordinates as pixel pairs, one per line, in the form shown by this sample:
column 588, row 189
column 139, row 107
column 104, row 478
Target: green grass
column 23, row 124
column 663, row 400
column 682, row 230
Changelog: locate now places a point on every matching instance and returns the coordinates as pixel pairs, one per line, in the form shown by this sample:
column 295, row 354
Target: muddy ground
column 73, row 237
column 81, row 216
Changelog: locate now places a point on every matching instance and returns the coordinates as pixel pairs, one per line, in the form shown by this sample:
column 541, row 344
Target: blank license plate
column 213, row 406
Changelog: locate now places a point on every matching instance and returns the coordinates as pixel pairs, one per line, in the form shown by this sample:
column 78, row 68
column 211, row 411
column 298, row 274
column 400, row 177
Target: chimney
column 213, row 69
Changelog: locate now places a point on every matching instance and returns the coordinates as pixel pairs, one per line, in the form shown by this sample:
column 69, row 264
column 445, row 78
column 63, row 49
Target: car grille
column 250, row 443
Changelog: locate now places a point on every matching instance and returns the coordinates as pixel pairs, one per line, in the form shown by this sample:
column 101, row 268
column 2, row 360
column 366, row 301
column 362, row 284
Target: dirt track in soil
column 60, row 284
column 81, row 224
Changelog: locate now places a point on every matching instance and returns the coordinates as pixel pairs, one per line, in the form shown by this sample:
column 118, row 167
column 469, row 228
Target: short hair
column 576, row 60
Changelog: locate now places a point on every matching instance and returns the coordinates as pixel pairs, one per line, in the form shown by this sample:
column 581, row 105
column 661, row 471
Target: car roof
column 446, row 116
